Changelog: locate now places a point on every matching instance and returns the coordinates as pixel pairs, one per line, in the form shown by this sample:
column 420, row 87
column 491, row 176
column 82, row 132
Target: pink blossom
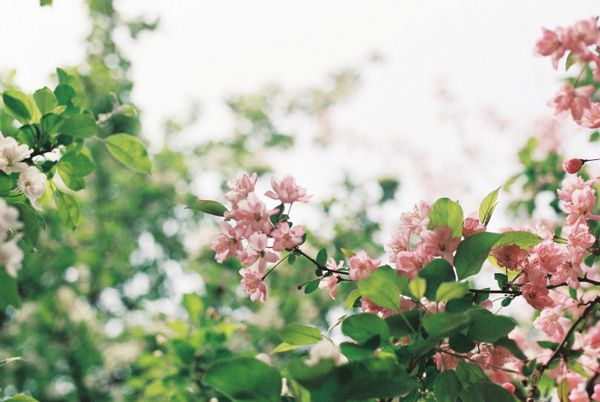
column 577, row 100
column 440, row 242
column 572, row 165
column 361, row 266
column 578, row 199
column 548, row 256
column 416, row 220
column 445, row 361
column 287, row 191
column 257, row 251
column 409, row 263
column 552, row 323
column 286, row 237
column 253, row 285
column 472, row 225
column 397, row 244
column 227, row 243
column 368, row 306
column 537, row 295
column 252, row 214
column 549, row 44
column 591, row 116
column 330, row 283
column 596, row 394
column 579, row 394
column 240, row 187
column 510, row 256
column 578, row 235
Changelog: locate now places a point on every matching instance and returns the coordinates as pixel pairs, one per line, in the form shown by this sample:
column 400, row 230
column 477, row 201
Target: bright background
column 459, row 91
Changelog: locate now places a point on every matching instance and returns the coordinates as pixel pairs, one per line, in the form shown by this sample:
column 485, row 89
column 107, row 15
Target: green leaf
column 298, row 334
column 348, row 253
column 285, row 347
column 194, row 306
column 322, row 257
column 31, row 221
column 383, row 287
column 519, row 238
column 512, row 347
column 45, row 100
column 51, row 123
column 74, row 164
column 446, row 386
column 64, row 93
column 417, row 287
column 461, row 343
column 435, row 273
column 6, row 184
column 9, row 294
column 487, row 206
column 571, row 60
column 68, row 209
column 488, row 327
column 21, row 397
column 472, row 253
column 244, row 379
column 485, row 391
column 209, row 207
column 451, row 290
column 365, row 326
column 351, row 298
column 80, row 126
column 45, row 3
column 19, row 105
column 356, row 352
column 357, row 380
column 404, row 324
column 469, row 374
column 445, row 324
column 130, row 151
column 445, row 212
column 312, row 286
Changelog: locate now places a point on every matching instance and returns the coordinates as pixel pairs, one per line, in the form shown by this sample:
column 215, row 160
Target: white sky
column 481, row 52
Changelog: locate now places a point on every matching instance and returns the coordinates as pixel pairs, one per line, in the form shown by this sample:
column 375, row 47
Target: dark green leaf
column 364, row 326
column 488, row 327
column 322, row 257
column 446, row 386
column 512, row 347
column 435, row 273
column 312, row 286
column 461, row 343
column 9, row 294
column 445, row 324
column 19, row 105
column 404, row 324
column 472, row 253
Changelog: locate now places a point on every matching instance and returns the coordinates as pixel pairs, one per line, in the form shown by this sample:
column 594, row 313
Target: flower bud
column 509, row 387
column 572, row 165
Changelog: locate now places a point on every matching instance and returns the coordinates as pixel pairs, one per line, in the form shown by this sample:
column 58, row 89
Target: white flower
column 12, row 155
column 9, row 219
column 11, row 257
column 32, row 183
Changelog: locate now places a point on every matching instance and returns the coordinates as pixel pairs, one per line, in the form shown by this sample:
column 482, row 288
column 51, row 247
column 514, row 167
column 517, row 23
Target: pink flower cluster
column 414, row 245
column 250, row 233
column 581, row 41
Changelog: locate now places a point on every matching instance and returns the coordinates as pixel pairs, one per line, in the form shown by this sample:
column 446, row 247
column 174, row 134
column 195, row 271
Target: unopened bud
column 509, row 387
column 573, row 165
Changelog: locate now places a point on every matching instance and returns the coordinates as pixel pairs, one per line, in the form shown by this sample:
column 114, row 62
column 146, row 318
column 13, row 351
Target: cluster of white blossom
column 32, row 184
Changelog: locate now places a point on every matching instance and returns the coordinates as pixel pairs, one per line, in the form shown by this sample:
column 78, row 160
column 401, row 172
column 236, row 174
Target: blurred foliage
column 103, row 317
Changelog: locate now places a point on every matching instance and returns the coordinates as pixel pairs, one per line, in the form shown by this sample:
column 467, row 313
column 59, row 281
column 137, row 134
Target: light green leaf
column 351, row 298
column 244, row 379
column 298, row 334
column 446, row 212
column 68, row 208
column 79, row 125
column 417, row 287
column 487, row 206
column 284, row 347
column 45, row 100
column 20, row 398
column 209, row 207
column 451, row 290
column 130, row 151
column 383, row 287
column 194, row 306
column 519, row 238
